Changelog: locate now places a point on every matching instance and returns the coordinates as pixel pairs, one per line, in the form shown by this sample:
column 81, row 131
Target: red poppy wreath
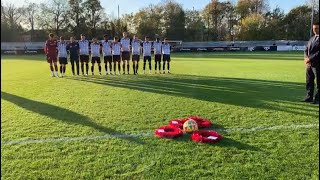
column 178, row 123
column 202, row 123
column 168, row 132
column 206, row 136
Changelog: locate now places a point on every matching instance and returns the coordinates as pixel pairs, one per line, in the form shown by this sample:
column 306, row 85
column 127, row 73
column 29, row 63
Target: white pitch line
column 108, row 136
column 264, row 128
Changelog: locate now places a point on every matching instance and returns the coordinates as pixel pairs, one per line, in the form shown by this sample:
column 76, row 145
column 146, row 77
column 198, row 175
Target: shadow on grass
column 224, row 142
column 227, row 142
column 258, row 94
column 63, row 115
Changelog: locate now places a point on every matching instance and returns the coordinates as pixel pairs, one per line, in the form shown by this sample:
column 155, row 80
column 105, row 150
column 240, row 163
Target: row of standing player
column 111, row 53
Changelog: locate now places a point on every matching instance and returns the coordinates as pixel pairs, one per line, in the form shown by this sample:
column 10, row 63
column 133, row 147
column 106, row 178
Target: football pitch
column 101, row 126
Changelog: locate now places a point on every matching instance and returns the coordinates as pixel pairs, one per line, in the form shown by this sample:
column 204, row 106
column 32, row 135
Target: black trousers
column 312, row 73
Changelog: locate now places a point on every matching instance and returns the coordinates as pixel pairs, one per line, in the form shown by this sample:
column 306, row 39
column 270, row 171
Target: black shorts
column 74, row 59
column 157, row 57
column 125, row 55
column 107, row 59
column 166, row 57
column 84, row 58
column 135, row 57
column 116, row 58
column 63, row 60
column 145, row 58
column 95, row 60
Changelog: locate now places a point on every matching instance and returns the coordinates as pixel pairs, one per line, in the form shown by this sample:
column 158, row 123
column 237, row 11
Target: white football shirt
column 106, row 48
column 166, row 48
column 157, row 47
column 116, row 48
column 147, row 48
column 125, row 44
column 95, row 50
column 136, row 47
column 84, row 47
column 62, row 49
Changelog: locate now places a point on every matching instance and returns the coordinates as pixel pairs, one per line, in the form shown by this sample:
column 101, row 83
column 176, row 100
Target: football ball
column 190, row 126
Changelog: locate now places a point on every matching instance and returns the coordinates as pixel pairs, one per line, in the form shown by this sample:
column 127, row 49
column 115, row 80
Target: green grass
column 234, row 90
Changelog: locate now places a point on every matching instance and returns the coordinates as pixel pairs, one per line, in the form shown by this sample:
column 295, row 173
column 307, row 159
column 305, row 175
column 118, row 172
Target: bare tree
column 53, row 15
column 12, row 14
column 29, row 18
column 75, row 15
column 94, row 13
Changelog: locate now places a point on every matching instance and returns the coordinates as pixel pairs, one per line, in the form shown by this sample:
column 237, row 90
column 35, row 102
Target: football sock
column 64, row 69
column 110, row 66
column 159, row 65
column 164, row 65
column 60, row 68
column 168, row 66
column 155, row 65
column 72, row 67
column 128, row 67
column 106, row 67
column 149, row 65
column 134, row 68
column 82, row 68
column 56, row 68
column 92, row 68
column 119, row 67
column 137, row 67
column 77, row 64
column 114, row 67
column 87, row 68
column 99, row 68
column 123, row 67
column 144, row 65
column 51, row 68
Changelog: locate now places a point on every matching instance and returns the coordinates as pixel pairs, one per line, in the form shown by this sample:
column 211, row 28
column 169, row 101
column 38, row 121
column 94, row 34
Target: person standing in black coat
column 312, row 61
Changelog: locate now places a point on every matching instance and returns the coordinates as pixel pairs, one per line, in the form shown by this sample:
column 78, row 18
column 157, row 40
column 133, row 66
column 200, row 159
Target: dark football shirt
column 73, row 48
column 51, row 47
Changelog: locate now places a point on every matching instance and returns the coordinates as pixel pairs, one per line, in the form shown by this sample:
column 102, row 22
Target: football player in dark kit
column 73, row 48
column 312, row 61
column 51, row 53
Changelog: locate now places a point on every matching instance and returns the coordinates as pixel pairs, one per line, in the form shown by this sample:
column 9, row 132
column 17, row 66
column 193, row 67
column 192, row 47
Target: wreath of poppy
column 168, row 132
column 206, row 136
column 178, row 123
column 202, row 123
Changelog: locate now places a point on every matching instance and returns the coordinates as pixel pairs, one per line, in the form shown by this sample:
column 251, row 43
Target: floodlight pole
column 118, row 11
column 209, row 9
column 118, row 20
